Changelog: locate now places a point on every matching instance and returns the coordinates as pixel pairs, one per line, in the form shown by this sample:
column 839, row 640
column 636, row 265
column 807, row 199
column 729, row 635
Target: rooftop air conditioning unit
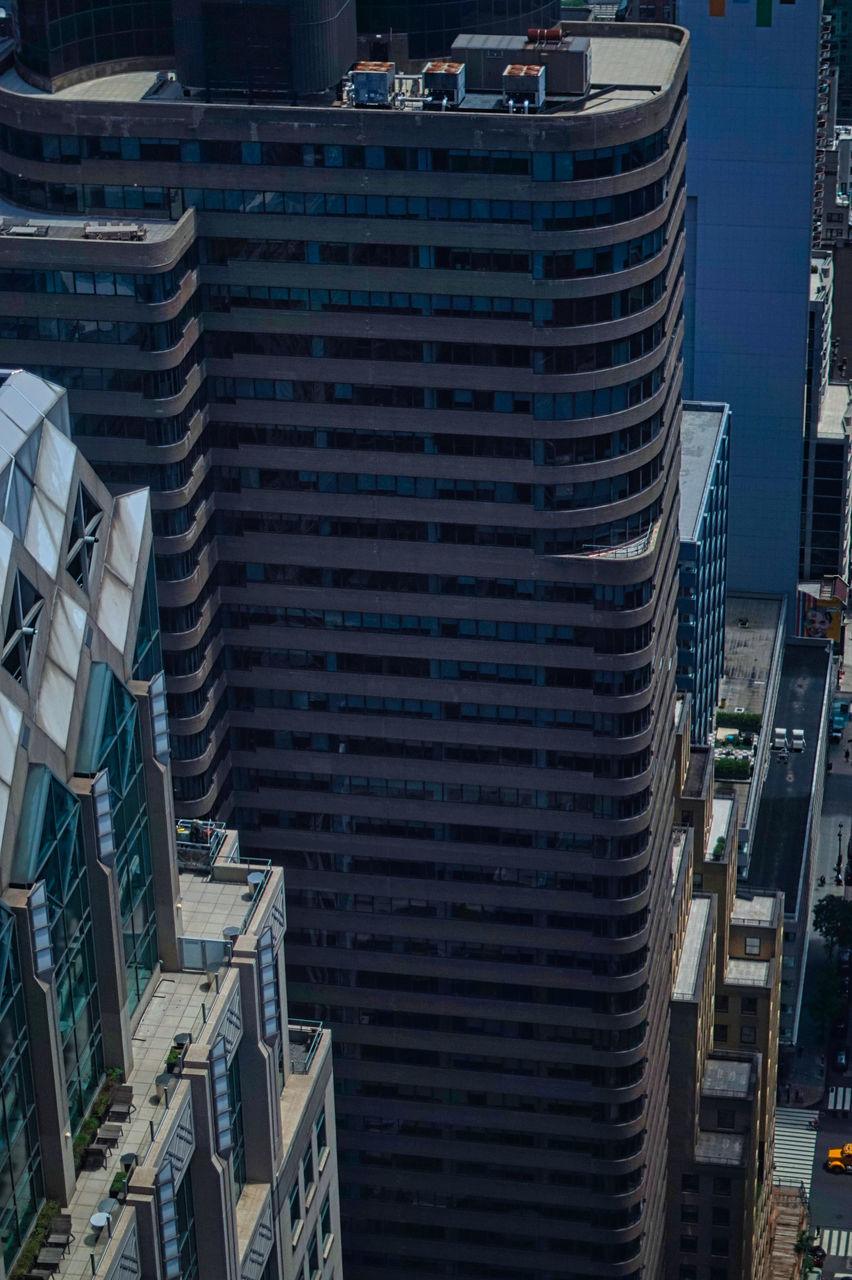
column 444, row 81
column 523, row 87
column 372, row 83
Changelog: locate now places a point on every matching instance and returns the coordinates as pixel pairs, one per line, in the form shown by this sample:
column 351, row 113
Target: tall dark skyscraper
column 405, row 380
column 432, row 25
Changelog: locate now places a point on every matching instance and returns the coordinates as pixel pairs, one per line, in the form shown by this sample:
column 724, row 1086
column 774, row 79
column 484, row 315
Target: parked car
column 844, row 960
column 841, row 1059
column 839, row 1029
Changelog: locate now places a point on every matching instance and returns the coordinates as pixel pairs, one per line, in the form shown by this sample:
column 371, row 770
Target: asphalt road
column 831, row 1195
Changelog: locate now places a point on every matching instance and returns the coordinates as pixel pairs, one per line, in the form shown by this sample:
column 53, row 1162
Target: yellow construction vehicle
column 840, row 1159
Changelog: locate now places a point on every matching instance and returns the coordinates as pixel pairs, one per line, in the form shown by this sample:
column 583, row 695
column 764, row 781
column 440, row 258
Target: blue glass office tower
column 753, row 119
column 704, row 478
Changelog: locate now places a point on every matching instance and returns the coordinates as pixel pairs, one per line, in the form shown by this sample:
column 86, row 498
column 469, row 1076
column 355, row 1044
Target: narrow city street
column 812, row 1068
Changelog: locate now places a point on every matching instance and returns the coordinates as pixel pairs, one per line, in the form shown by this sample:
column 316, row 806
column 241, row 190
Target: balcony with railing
column 198, row 843
column 305, row 1039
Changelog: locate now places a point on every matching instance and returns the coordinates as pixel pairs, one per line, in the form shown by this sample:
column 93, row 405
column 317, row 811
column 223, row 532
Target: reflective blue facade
column 703, row 559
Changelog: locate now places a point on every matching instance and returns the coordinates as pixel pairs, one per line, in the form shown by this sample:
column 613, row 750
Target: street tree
column 828, row 1002
column 833, row 921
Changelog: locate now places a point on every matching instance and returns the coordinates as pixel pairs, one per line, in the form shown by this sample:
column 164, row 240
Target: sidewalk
column 801, row 1076
column 803, row 1069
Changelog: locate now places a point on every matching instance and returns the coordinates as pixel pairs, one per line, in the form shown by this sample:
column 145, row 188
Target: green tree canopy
column 833, row 921
column 828, row 1002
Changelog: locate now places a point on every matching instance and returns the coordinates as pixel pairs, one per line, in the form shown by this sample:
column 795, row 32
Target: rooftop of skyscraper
column 628, row 68
column 752, row 625
column 699, row 436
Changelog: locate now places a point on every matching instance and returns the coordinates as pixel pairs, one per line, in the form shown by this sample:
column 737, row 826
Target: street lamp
column 839, row 847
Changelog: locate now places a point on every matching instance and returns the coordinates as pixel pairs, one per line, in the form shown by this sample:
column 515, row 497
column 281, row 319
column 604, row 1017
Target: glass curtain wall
column 21, row 1183
column 148, row 657
column 110, row 740
column 238, row 1137
column 50, row 849
column 185, row 1212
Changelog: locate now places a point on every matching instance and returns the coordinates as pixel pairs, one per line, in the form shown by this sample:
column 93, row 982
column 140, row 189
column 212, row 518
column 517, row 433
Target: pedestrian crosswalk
column 795, row 1144
column 837, row 1244
column 840, row 1100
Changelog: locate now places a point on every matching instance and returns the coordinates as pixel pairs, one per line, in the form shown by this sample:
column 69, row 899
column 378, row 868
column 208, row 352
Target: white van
column 798, row 739
column 779, row 740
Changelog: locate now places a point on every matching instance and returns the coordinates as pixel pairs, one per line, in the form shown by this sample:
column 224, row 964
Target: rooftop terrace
column 757, row 908
column 834, row 414
column 728, row 1077
column 748, row 973
column 720, row 1148
column 751, row 626
column 723, row 808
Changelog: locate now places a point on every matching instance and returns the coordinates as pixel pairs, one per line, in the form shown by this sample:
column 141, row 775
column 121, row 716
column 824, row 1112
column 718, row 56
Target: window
column 748, row 1004
column 726, row 1119
column 185, row 1240
column 313, row 1257
column 688, row 1244
column 54, row 854
column 24, row 609
column 325, row 1233
column 721, row 1217
column 112, row 741
column 688, row 1273
column 22, row 1190
column 296, row 1222
column 721, row 1004
column 720, row 1033
column 690, row 1182
column 308, row 1174
column 752, row 946
column 748, row 1035
column 235, row 1100
column 719, row 1246
column 322, row 1141
column 83, row 537
column 689, row 1213
column 721, row 1186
